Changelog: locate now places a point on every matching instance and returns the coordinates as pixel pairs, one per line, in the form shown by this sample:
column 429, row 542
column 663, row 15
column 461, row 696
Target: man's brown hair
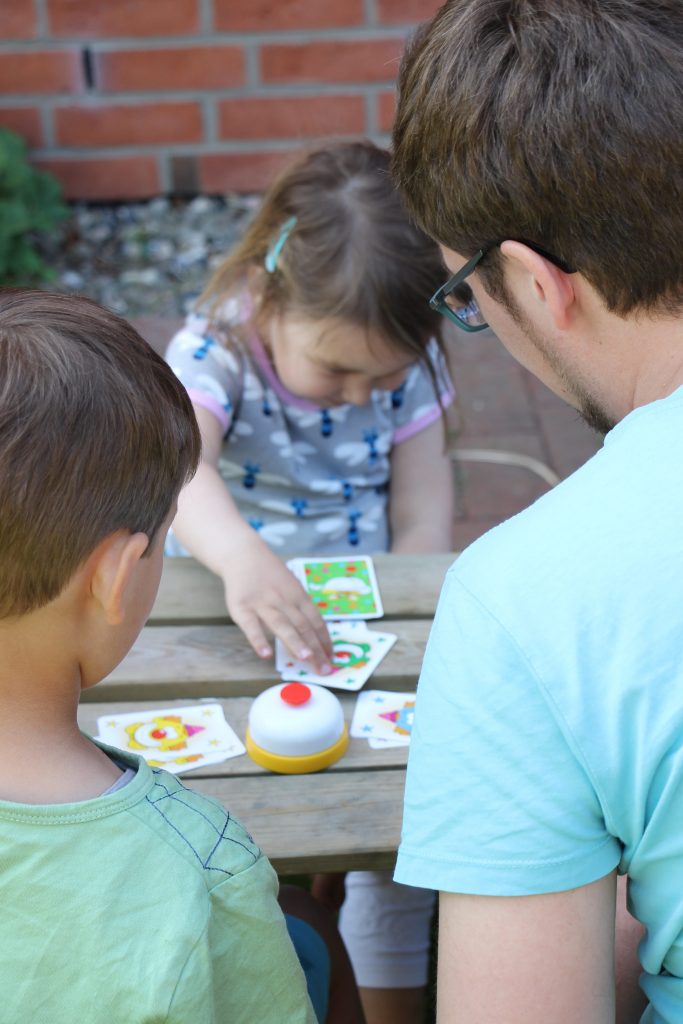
column 96, row 435
column 558, row 123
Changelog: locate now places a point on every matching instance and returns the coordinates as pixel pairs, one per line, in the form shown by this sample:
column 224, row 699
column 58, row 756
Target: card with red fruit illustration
column 340, row 588
column 356, row 653
column 177, row 739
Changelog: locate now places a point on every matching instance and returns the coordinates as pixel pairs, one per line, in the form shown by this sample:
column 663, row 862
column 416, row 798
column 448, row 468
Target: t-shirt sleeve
column 414, row 403
column 211, row 372
column 244, row 968
column 498, row 801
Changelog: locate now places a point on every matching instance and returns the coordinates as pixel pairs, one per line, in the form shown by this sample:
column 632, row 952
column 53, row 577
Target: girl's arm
column 260, row 592
column 421, row 497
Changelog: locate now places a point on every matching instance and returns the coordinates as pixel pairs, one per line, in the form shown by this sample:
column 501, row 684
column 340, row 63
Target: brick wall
column 132, row 98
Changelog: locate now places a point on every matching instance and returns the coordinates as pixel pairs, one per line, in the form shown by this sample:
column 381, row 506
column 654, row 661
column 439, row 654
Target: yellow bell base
column 288, row 765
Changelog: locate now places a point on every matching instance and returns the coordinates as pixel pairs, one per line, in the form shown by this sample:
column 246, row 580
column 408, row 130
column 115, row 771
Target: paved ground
column 500, row 408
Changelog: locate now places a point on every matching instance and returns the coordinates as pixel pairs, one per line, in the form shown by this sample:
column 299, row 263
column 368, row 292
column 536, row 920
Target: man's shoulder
column 198, row 829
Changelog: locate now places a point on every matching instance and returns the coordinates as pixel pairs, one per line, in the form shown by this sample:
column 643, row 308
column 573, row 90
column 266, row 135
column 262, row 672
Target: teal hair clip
column 273, row 253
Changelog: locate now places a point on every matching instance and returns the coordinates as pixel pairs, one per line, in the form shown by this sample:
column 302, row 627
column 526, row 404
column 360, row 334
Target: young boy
column 125, row 897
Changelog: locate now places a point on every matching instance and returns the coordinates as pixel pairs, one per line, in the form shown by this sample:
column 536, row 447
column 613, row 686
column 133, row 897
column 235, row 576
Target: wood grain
column 193, row 661
column 325, row 822
column 409, row 586
column 359, row 756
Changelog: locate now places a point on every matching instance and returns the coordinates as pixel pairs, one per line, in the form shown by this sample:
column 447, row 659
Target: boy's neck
column 44, row 758
column 45, row 763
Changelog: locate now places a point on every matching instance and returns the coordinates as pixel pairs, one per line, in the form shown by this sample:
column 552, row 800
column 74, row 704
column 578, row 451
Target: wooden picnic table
column 347, row 817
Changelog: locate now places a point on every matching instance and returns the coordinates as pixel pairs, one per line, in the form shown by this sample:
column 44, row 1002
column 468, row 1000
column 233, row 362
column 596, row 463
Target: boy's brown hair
column 353, row 253
column 559, row 123
column 96, row 435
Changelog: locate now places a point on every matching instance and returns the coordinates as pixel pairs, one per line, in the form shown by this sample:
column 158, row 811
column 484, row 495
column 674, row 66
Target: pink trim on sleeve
column 212, row 404
column 415, row 426
column 263, row 360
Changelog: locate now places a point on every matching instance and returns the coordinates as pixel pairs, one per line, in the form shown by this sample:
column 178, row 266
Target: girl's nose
column 357, row 391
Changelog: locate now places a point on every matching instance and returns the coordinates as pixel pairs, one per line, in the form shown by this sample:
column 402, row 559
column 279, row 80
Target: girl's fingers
column 250, row 625
column 316, row 629
column 301, row 638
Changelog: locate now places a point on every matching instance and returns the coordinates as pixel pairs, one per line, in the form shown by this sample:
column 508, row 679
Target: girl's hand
column 262, row 594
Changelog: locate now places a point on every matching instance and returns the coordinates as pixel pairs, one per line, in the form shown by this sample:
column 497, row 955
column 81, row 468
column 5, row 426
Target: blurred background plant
column 30, row 205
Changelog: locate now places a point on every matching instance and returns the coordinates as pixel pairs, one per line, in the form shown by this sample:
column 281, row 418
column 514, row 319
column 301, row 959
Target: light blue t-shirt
column 548, row 737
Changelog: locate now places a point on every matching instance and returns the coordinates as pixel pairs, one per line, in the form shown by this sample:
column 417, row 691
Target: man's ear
column 550, row 286
column 113, row 568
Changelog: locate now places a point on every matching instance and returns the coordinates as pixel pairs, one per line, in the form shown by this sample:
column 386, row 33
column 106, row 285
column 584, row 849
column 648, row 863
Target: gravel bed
column 144, row 259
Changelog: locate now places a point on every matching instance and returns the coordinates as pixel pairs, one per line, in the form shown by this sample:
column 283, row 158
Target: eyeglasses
column 455, row 299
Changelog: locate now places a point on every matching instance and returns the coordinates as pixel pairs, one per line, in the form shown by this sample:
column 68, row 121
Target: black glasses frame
column 438, row 299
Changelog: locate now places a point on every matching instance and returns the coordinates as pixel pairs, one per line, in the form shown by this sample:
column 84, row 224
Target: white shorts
column 386, row 928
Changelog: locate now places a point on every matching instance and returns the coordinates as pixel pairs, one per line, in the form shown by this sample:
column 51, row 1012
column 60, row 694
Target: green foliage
column 30, row 202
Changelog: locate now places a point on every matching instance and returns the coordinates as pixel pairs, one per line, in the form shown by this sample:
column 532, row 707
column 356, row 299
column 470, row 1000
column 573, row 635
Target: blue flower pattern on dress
column 279, row 454
column 326, row 424
column 370, row 437
column 202, row 351
column 353, row 536
column 397, row 396
column 251, row 471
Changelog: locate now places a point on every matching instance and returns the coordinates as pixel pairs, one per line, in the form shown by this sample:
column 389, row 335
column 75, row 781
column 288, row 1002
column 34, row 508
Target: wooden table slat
column 188, row 661
column 409, row 586
column 347, row 817
column 359, row 756
column 324, row 822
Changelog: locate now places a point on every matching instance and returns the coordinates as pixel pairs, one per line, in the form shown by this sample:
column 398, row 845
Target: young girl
column 315, row 366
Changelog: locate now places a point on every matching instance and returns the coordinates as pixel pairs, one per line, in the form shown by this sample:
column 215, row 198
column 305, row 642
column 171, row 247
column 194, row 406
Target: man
column 541, row 145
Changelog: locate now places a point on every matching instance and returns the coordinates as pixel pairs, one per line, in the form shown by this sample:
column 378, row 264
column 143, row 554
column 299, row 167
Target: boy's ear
column 114, row 565
column 550, row 286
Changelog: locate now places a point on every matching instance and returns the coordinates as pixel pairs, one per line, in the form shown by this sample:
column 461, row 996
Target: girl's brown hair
column 353, row 254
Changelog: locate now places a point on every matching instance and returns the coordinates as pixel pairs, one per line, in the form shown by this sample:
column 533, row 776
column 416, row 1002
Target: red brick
column 134, row 177
column 17, row 19
column 123, row 17
column 386, row 110
column 269, row 15
column 240, row 172
column 128, row 125
column 374, row 60
column 398, row 12
column 41, row 71
column 300, row 116
column 25, row 121
column 205, row 67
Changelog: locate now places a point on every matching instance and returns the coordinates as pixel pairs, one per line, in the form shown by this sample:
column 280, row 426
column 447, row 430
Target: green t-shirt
column 149, row 904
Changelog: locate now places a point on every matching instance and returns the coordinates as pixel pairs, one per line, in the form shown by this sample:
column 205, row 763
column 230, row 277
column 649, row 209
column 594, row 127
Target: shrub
column 30, row 202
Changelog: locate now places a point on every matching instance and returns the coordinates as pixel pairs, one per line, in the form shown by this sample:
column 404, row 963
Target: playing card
column 185, row 736
column 383, row 714
column 340, row 588
column 185, row 763
column 380, row 743
column 357, row 651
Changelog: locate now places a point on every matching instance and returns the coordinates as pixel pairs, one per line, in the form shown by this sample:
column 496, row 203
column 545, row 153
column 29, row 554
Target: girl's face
column 331, row 362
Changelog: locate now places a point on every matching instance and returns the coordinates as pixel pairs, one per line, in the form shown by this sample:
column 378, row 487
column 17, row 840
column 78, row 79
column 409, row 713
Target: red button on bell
column 295, row 693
